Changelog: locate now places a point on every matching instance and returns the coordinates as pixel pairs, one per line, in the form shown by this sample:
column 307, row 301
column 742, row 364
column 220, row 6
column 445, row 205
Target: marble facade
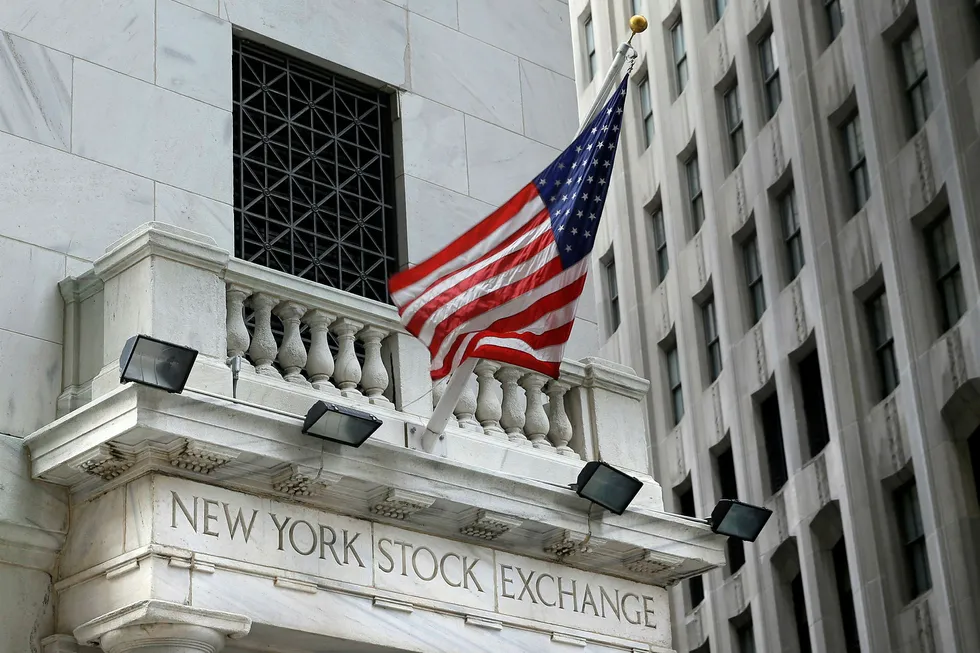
column 133, row 520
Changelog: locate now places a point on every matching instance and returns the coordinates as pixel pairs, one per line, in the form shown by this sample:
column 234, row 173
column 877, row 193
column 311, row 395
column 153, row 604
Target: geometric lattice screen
column 314, row 182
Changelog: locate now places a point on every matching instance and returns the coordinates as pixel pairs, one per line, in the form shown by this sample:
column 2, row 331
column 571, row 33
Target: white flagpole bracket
column 434, row 431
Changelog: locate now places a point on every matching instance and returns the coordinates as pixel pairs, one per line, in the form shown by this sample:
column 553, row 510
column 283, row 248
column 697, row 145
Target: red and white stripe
column 497, row 292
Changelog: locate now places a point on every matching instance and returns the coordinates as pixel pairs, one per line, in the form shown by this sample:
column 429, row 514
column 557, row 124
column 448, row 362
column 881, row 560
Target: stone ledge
column 162, row 612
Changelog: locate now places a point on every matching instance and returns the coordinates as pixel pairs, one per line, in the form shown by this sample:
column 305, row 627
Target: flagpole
column 435, row 429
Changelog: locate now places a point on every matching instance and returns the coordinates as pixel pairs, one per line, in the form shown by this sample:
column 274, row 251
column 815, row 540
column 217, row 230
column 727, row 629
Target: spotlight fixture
column 605, row 485
column 156, row 363
column 340, row 424
column 743, row 521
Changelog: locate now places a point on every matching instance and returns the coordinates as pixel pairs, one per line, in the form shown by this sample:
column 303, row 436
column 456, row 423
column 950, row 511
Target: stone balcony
column 498, row 478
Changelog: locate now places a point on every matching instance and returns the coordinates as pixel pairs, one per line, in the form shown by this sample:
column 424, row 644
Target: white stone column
column 292, row 351
column 319, row 362
column 374, row 375
column 536, row 424
column 238, row 338
column 162, row 627
column 263, row 349
column 512, row 414
column 347, row 374
column 487, row 402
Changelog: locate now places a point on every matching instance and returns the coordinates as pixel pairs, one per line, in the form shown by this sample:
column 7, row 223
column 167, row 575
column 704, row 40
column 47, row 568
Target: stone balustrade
column 297, row 338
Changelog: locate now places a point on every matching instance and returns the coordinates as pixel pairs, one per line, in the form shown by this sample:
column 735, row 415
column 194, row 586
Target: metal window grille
column 694, row 193
column 835, row 18
column 913, row 539
column 646, row 111
column 883, row 343
column 711, row 340
column 945, row 261
column 590, row 48
column 660, row 244
column 314, row 174
column 857, row 164
column 736, row 131
column 680, row 55
column 674, row 382
column 770, row 75
column 792, row 235
column 916, row 78
column 753, row 277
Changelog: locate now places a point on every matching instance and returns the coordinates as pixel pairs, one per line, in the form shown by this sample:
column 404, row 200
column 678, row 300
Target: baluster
column 466, row 407
column 347, row 373
column 238, row 339
column 487, row 401
column 535, row 418
column 511, row 414
column 374, row 376
column 292, row 351
column 560, row 433
column 263, row 349
column 319, row 363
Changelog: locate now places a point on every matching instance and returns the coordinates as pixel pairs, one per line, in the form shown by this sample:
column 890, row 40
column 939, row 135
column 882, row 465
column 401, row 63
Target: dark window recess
column 916, row 77
column 799, row 612
column 974, row 445
column 733, row 121
column 791, row 233
column 695, row 586
column 857, row 164
column 814, row 408
column 660, row 244
column 835, row 18
column 720, row 6
column 770, row 75
column 313, row 173
column 945, row 262
column 729, row 490
column 712, row 342
column 674, row 382
column 753, row 277
column 883, row 343
column 694, row 193
column 745, row 637
column 646, row 111
column 772, row 433
column 913, row 539
column 590, row 54
column 612, row 290
column 845, row 598
column 680, row 56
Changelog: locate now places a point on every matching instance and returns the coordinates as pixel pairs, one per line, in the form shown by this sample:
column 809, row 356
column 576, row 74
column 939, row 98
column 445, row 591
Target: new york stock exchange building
column 240, row 178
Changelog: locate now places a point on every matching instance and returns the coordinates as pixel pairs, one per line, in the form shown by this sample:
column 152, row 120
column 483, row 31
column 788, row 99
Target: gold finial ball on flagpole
column 638, row 24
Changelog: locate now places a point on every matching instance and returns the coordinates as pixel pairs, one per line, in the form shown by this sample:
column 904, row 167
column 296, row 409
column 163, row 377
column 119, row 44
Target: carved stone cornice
column 200, row 458
column 489, row 525
column 303, row 481
column 400, row 504
column 107, row 462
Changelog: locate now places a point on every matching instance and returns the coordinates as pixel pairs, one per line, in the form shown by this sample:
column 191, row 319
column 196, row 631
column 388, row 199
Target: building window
column 916, row 78
column 719, row 7
column 799, row 612
column 945, row 262
column 590, row 55
column 772, row 434
column 660, row 244
column 728, row 487
column 857, row 165
column 835, row 18
column 845, row 598
column 770, row 75
column 680, row 55
column 646, row 111
column 712, row 342
column 674, row 383
column 636, row 6
column 313, row 171
column 791, row 232
column 693, row 173
column 913, row 539
column 753, row 277
column 883, row 343
column 695, row 586
column 814, row 408
column 973, row 444
column 745, row 637
column 733, row 120
column 612, row 292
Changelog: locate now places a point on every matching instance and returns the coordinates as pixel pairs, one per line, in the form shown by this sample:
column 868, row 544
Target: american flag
column 507, row 289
